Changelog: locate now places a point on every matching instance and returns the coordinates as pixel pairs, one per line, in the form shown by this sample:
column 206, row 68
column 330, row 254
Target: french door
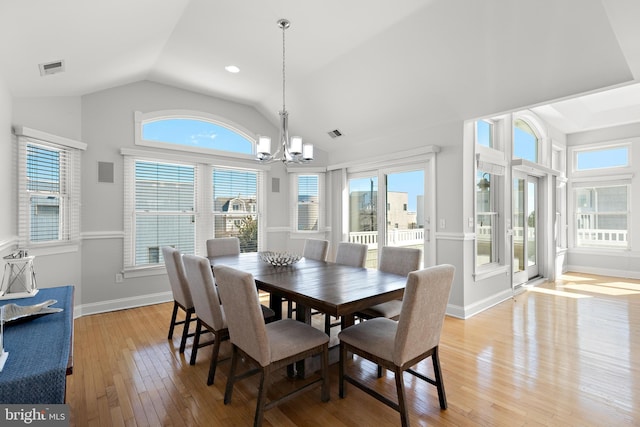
column 526, row 241
column 390, row 208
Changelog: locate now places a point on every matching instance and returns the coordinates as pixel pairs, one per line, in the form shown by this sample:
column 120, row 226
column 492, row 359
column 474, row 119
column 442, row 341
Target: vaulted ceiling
column 365, row 67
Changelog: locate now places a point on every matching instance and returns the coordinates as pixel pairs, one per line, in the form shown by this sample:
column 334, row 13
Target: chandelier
column 290, row 150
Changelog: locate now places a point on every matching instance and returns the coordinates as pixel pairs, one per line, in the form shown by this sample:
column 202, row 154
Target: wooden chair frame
column 398, row 371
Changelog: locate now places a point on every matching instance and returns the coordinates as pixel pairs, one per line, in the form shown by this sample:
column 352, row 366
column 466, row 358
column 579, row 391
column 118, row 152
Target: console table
column 40, row 351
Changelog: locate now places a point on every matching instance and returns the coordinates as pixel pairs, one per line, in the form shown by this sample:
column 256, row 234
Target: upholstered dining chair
column 316, row 249
column 399, row 261
column 313, row 249
column 351, row 254
column 223, row 246
column 400, row 345
column 206, row 301
column 268, row 346
column 181, row 294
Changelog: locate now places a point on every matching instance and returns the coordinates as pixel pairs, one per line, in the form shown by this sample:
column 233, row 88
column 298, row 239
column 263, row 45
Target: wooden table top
column 328, row 287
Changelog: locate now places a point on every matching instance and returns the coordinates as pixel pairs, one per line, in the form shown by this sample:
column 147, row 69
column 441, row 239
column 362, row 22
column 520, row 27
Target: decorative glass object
column 279, row 259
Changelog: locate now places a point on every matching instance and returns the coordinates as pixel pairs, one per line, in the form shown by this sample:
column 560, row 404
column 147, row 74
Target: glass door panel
column 532, row 220
column 518, row 227
column 525, row 227
column 363, row 215
column 405, row 216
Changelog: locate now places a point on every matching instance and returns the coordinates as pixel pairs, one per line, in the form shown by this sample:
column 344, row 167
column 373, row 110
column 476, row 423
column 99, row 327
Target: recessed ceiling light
column 232, row 69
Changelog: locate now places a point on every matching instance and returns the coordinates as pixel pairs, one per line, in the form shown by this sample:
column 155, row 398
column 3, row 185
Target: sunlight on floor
column 558, row 293
column 614, row 289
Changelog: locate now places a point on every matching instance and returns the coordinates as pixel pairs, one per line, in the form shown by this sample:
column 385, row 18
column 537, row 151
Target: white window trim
column 574, row 150
column 293, row 185
column 611, row 181
column 141, row 118
column 204, row 201
column 74, row 150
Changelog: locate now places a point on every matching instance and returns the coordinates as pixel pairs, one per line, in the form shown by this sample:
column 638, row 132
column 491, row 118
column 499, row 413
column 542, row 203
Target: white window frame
column 255, row 210
column 575, row 150
column 613, row 181
column 293, row 185
column 69, row 194
column 492, row 161
column 142, row 118
column 204, row 200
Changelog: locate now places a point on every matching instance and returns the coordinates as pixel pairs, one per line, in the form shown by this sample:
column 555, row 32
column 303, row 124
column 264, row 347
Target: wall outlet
column 119, row 278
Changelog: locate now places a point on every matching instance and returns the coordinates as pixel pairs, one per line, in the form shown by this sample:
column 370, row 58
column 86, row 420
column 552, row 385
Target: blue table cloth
column 39, row 351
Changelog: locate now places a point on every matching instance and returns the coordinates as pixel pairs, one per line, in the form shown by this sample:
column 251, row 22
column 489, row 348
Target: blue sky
column 408, row 182
column 196, row 133
column 525, row 149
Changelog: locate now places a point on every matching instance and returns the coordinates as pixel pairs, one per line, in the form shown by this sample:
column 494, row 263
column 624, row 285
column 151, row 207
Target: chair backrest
column 244, row 315
column 223, row 246
column 400, row 261
column 316, row 249
column 423, row 309
column 353, row 254
column 177, row 279
column 203, row 291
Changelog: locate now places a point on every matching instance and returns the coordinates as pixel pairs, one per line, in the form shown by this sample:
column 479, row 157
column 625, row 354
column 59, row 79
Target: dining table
column 327, row 287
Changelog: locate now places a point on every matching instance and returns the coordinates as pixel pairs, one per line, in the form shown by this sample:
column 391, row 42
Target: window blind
column 308, row 202
column 235, row 206
column 163, row 209
column 49, row 192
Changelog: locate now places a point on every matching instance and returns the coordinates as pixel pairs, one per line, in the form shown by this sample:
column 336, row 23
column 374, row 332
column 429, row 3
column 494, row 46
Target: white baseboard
column 624, row 274
column 477, row 307
column 121, row 304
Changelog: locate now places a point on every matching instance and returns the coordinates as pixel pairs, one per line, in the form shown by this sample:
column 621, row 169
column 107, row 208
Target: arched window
column 193, row 131
column 525, row 141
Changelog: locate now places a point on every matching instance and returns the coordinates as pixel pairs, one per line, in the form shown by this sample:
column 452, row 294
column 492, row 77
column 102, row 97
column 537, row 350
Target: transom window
column 193, row 131
column 602, row 158
column 484, row 133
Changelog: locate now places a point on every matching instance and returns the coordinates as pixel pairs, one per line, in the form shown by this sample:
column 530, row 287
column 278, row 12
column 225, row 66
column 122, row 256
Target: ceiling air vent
column 51, row 67
column 334, row 133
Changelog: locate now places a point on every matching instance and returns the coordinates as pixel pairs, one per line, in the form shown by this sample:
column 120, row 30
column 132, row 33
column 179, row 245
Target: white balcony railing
column 607, row 238
column 395, row 237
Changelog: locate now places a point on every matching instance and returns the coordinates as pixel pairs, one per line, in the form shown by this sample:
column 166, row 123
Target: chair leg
column 196, row 342
column 343, row 360
column 173, row 320
column 185, row 331
column 214, row 359
column 262, row 396
column 232, row 375
column 402, row 407
column 379, row 371
column 442, row 397
column 324, row 394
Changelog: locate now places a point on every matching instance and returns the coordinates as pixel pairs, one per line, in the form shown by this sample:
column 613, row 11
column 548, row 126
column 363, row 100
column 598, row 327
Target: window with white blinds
column 307, row 205
column 49, row 192
column 163, row 211
column 235, row 206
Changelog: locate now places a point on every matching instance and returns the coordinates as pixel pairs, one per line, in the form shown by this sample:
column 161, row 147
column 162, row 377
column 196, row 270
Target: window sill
column 491, row 271
column 135, row 272
column 597, row 250
column 53, row 249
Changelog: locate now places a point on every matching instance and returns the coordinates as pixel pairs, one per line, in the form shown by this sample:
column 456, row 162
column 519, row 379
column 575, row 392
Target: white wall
column 8, row 224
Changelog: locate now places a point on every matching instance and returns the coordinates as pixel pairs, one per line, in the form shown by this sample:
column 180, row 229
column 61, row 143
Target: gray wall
column 614, row 263
column 8, row 225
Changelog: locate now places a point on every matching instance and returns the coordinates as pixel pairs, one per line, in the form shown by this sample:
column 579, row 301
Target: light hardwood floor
column 564, row 353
